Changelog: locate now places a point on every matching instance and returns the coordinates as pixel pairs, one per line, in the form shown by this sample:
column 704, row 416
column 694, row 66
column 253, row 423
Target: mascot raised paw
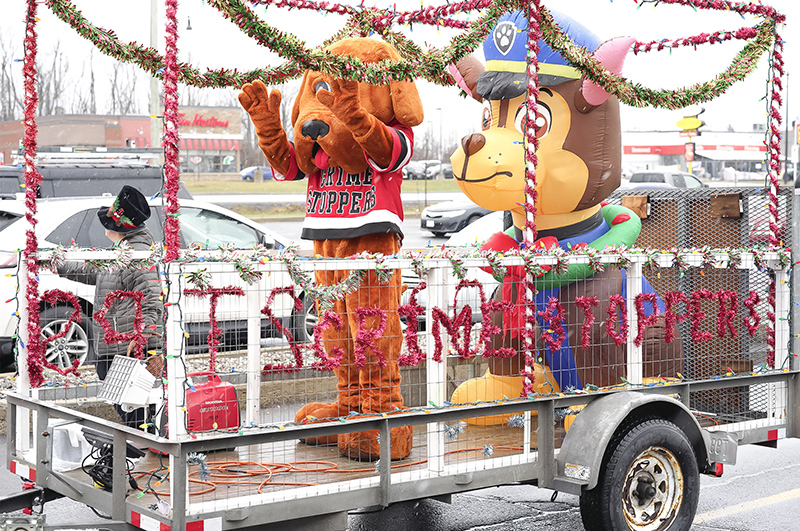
column 578, row 128
column 351, row 141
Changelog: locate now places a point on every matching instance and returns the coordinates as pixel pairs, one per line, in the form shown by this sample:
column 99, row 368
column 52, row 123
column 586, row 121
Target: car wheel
column 471, row 220
column 74, row 345
column 304, row 322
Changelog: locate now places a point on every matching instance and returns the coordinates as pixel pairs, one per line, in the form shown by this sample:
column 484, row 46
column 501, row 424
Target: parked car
column 471, row 235
column 664, row 179
column 249, row 173
column 74, row 220
column 435, row 170
column 450, row 216
column 417, row 169
column 81, row 180
column 478, row 231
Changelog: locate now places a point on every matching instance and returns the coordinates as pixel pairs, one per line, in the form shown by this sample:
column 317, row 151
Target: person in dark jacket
column 124, row 221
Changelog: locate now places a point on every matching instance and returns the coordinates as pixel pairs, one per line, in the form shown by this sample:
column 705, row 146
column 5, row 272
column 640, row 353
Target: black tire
column 471, row 220
column 640, row 481
column 76, row 344
column 303, row 323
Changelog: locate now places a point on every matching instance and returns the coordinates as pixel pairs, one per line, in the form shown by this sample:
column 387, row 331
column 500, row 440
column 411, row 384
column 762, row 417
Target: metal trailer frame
column 606, row 410
column 573, row 468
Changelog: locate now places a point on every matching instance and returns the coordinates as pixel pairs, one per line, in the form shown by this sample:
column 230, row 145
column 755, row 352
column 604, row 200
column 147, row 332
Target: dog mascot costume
column 351, row 141
column 579, row 153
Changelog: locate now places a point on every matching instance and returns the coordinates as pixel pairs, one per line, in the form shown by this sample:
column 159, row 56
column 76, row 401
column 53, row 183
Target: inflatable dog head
column 577, row 125
column 317, row 132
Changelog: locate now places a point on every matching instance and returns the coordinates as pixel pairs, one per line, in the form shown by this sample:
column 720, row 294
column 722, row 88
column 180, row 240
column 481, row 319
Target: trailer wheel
column 648, row 481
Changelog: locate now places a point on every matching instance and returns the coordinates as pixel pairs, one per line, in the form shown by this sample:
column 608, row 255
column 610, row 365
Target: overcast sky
column 215, row 42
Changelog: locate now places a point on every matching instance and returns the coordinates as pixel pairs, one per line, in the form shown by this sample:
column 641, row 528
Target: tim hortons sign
column 199, row 120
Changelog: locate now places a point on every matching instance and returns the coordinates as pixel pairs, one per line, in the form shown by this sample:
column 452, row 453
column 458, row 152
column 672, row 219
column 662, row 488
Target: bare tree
column 51, row 81
column 191, row 96
column 85, row 102
column 124, row 97
column 251, row 153
column 11, row 104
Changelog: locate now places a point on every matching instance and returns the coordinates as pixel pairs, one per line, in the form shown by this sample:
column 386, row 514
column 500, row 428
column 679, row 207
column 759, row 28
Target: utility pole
column 155, row 100
column 441, row 145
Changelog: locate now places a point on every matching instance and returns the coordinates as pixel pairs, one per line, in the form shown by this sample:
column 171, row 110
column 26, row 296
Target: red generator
column 212, row 404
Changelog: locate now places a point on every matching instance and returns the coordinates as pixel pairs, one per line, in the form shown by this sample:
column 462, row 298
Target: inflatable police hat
column 128, row 212
column 505, row 51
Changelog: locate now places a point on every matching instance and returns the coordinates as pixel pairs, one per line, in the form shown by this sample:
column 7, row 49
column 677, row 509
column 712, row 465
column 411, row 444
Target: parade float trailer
column 641, row 439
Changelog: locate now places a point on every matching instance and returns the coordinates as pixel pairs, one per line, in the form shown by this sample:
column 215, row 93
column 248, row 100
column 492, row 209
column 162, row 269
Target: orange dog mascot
column 351, row 140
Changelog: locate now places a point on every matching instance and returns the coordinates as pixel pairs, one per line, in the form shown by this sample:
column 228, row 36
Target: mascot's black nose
column 473, row 143
column 315, row 129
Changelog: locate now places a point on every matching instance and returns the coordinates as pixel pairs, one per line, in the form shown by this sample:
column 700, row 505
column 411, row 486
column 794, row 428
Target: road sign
column 690, row 122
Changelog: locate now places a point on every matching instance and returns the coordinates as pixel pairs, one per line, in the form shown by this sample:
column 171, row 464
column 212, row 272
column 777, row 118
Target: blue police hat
column 505, row 51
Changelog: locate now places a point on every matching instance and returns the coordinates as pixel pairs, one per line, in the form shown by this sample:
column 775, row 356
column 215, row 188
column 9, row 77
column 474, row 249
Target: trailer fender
column 585, row 444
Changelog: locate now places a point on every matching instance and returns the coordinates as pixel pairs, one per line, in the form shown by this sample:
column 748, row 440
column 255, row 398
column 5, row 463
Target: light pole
column 441, row 145
column 425, row 165
column 429, row 140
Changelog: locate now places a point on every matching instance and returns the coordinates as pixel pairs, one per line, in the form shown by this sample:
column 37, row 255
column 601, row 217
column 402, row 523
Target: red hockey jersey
column 345, row 205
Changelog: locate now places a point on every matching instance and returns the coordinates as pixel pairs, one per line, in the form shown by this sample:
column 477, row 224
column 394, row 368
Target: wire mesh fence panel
column 731, row 220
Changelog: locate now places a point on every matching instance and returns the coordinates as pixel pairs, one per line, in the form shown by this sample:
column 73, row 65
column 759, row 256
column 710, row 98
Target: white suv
column 64, row 221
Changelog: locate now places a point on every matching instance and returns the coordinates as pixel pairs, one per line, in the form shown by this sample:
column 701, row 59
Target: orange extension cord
column 237, row 472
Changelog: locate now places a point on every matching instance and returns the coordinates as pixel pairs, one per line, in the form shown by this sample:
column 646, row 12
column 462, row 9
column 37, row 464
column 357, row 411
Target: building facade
column 211, row 137
column 713, row 154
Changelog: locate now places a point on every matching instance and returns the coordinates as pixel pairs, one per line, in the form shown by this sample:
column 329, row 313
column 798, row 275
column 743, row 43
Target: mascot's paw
column 491, row 388
column 364, row 445
column 341, row 97
column 263, row 107
column 320, row 412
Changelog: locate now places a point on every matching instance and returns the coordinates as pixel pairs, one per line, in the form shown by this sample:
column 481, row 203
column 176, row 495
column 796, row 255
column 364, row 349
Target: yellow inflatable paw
column 491, row 388
column 569, row 418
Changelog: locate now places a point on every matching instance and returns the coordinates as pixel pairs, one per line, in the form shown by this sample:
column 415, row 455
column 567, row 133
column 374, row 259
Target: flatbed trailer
column 644, row 440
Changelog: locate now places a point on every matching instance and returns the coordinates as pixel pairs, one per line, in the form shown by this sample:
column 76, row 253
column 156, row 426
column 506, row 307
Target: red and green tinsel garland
column 32, row 181
column 430, row 64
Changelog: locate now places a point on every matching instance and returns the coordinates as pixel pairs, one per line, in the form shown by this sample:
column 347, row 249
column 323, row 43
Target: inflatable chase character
column 578, row 129
column 351, row 140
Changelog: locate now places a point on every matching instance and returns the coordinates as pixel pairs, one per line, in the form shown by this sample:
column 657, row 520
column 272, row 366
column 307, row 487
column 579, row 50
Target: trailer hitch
column 28, row 498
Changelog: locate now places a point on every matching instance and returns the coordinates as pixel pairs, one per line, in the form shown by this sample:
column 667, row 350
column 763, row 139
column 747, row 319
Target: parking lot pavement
column 506, row 508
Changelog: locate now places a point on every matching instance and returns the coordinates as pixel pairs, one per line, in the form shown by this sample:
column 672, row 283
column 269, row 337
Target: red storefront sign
column 199, row 120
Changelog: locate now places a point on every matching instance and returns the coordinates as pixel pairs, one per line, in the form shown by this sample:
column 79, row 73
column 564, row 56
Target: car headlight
column 452, row 213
